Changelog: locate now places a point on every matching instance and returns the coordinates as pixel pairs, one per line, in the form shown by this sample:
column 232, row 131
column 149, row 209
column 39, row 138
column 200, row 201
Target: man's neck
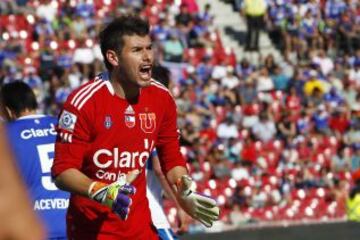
column 124, row 88
column 26, row 113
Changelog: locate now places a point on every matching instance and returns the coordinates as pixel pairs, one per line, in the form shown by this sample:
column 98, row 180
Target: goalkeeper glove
column 199, row 207
column 116, row 196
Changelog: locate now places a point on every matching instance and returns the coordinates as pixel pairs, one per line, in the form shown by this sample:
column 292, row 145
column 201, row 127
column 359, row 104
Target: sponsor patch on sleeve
column 67, row 121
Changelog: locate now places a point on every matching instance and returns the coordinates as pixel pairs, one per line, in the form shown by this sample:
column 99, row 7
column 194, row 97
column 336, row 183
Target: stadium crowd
column 273, row 141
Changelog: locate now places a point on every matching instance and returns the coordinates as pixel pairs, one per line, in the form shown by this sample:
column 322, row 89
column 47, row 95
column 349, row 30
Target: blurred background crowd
column 272, row 140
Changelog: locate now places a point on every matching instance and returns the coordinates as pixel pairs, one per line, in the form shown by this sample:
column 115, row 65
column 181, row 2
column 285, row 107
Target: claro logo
column 109, row 160
column 120, row 159
column 36, row 133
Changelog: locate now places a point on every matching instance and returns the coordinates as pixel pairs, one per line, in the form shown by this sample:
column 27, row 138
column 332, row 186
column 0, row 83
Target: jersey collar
column 31, row 116
column 105, row 76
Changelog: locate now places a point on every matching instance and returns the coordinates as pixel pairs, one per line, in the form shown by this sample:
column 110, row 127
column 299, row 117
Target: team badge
column 108, row 122
column 147, row 122
column 67, row 121
column 129, row 117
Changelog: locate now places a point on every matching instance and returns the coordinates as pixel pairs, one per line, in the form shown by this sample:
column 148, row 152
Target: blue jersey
column 32, row 140
column 154, row 195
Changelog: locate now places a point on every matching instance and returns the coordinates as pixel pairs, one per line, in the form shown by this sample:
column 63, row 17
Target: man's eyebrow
column 138, row 47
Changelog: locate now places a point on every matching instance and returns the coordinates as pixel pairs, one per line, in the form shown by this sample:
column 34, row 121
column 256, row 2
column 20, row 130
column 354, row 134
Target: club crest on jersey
column 147, row 122
column 108, row 122
column 67, row 121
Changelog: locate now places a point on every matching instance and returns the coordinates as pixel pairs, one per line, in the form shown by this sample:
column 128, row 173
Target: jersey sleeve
column 168, row 147
column 73, row 137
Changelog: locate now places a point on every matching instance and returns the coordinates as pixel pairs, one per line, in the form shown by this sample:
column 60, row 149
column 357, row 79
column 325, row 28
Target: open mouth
column 145, row 71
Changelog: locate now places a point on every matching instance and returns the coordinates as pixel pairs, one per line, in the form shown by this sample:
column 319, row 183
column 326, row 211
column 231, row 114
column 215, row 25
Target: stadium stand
column 273, row 142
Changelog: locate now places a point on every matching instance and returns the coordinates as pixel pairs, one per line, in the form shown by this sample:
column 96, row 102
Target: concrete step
column 232, row 28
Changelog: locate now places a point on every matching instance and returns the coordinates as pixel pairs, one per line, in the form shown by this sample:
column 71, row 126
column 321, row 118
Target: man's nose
column 147, row 55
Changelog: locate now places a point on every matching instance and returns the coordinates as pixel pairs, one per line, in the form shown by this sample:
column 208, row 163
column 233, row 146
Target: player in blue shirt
column 156, row 181
column 32, row 137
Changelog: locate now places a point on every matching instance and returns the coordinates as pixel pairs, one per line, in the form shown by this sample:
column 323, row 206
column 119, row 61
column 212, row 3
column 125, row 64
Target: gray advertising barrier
column 328, row 231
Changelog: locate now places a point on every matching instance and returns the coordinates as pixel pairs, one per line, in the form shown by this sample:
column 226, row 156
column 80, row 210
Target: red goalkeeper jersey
column 103, row 136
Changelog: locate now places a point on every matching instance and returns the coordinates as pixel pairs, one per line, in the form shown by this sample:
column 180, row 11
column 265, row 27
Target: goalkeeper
column 106, row 132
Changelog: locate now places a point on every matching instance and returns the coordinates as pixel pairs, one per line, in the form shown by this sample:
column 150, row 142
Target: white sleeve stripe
column 81, row 91
column 88, row 90
column 66, row 137
column 90, row 95
column 146, row 143
column 151, row 145
column 70, row 138
column 159, row 85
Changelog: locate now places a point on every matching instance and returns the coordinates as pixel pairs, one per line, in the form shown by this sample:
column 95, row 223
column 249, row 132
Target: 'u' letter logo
column 147, row 122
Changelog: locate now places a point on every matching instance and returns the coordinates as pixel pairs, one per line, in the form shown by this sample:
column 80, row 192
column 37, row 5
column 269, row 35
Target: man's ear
column 112, row 58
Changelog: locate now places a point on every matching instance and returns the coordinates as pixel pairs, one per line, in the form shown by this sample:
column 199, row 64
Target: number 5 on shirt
column 44, row 151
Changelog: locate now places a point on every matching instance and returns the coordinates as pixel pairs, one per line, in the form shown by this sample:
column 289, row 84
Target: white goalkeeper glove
column 199, row 207
column 116, row 195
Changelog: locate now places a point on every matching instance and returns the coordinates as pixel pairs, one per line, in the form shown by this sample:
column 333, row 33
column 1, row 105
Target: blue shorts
column 166, row 234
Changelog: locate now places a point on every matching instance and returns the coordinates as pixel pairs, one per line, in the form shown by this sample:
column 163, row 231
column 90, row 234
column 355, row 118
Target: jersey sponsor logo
column 67, row 121
column 106, row 159
column 27, row 134
column 147, row 122
column 51, row 203
column 107, row 122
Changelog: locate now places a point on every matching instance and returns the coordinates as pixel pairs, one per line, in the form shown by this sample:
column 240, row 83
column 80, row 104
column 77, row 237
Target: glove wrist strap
column 97, row 191
column 184, row 190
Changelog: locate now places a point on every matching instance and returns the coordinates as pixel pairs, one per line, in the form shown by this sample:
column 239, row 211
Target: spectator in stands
column 286, row 129
column 265, row 129
column 227, row 129
column 184, row 18
column 355, row 160
column 173, row 49
column 348, row 32
column 352, row 136
column 264, row 81
column 279, row 79
column 230, row 81
column 255, row 11
column 219, row 164
column 341, row 162
column 239, row 171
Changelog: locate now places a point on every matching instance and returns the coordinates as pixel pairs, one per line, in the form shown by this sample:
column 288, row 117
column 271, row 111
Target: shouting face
column 136, row 59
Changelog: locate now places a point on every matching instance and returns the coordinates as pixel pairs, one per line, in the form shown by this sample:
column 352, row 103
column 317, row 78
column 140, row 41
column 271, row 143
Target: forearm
column 161, row 177
column 175, row 173
column 74, row 181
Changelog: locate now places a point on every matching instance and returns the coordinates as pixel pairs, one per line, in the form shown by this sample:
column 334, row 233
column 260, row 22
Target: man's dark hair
column 111, row 38
column 18, row 97
column 161, row 74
